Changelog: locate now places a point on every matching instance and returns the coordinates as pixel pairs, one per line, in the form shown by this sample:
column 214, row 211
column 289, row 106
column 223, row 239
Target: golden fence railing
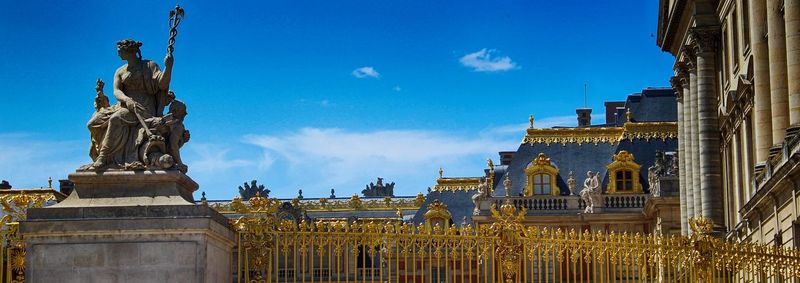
column 275, row 249
column 15, row 205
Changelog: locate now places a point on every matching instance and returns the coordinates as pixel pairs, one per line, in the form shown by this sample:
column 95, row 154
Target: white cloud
column 484, row 61
column 318, row 159
column 208, row 158
column 27, row 160
column 366, row 72
column 397, row 88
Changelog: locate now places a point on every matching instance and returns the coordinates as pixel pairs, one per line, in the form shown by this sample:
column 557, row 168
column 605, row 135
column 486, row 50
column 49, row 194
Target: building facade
column 737, row 79
column 619, row 175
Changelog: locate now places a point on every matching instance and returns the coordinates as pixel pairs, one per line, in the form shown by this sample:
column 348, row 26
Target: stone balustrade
column 546, row 203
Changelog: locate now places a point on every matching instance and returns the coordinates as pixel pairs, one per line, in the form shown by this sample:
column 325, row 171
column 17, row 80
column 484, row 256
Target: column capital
column 682, row 72
column 677, row 87
column 705, row 39
column 689, row 57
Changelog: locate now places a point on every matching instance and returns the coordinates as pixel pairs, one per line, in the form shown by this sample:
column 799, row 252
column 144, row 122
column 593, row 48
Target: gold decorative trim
column 611, row 135
column 623, row 160
column 541, row 165
column 456, row 184
column 271, row 205
column 437, row 210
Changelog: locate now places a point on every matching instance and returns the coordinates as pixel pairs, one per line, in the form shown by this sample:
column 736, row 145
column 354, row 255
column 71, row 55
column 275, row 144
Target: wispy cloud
column 27, row 160
column 366, row 72
column 397, row 88
column 484, row 60
column 339, row 158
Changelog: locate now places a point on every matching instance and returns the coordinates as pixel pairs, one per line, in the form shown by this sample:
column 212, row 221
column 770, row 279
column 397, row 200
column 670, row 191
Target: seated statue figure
column 121, row 134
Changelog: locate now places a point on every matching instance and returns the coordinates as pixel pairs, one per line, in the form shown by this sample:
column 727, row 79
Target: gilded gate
column 273, row 248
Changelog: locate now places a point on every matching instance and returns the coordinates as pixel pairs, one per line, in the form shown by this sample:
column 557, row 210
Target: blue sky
column 323, row 94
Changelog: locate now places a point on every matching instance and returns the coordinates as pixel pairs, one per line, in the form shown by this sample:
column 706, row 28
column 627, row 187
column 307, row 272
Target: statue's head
column 178, row 109
column 129, row 48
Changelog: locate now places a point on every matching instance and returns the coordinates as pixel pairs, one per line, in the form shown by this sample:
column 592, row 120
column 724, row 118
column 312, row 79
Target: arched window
column 541, row 177
column 623, row 174
column 437, row 214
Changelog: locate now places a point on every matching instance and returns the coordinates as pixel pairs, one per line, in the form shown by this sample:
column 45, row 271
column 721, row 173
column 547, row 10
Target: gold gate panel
column 275, row 249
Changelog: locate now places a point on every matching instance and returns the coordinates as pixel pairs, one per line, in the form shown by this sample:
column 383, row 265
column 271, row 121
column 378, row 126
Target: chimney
column 584, row 117
column 611, row 111
column 505, row 157
column 65, row 187
column 4, row 185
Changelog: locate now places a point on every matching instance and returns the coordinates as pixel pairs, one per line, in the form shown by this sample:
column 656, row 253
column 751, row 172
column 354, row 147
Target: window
column 623, row 174
column 624, row 181
column 745, row 23
column 541, row 177
column 541, row 184
column 735, row 39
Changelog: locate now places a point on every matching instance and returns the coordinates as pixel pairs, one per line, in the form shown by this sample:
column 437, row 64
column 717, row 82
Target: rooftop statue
column 253, row 189
column 591, row 192
column 379, row 189
column 134, row 133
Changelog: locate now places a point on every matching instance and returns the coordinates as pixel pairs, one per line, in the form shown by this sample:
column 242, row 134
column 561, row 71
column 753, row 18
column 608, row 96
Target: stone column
column 693, row 135
column 678, row 88
column 779, row 96
column 792, row 18
column 706, row 40
column 762, row 111
column 688, row 105
column 736, row 161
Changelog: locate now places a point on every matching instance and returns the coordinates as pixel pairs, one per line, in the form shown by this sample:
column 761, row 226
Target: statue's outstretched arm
column 164, row 77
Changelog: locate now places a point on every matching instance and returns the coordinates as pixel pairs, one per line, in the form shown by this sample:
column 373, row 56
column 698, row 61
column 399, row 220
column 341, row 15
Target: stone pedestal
column 126, row 226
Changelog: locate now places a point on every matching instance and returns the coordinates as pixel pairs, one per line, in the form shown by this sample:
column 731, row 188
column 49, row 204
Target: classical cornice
column 629, row 131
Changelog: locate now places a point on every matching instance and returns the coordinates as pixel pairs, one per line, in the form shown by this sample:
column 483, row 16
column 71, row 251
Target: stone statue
column 333, row 193
column 591, row 192
column 378, row 189
column 655, row 172
column 571, row 183
column 507, row 184
column 134, row 133
column 250, row 190
column 482, row 193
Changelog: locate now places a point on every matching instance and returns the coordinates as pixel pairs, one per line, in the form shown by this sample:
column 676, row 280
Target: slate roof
column 459, row 204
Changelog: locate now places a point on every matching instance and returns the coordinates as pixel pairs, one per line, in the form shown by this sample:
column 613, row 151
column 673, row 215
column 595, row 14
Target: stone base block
column 128, row 226
column 128, row 244
column 130, row 188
